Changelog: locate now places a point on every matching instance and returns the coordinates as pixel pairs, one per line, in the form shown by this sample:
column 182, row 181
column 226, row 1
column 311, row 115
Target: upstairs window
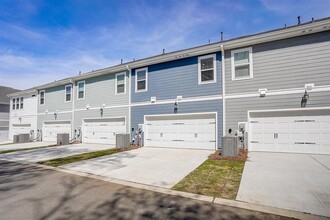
column 22, row 99
column 68, row 89
column 42, row 97
column 14, row 104
column 141, row 80
column 17, row 103
column 120, row 83
column 241, row 61
column 81, row 90
column 207, row 69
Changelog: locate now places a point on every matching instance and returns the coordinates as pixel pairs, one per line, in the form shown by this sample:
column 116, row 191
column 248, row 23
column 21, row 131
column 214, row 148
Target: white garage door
column 21, row 129
column 196, row 131
column 50, row 129
column 297, row 134
column 103, row 131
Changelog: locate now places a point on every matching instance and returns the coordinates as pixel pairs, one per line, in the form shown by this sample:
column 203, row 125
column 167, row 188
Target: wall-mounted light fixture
column 153, row 99
column 88, row 106
column 179, row 98
column 102, row 110
column 46, row 111
column 176, row 107
column 55, row 115
column 309, row 86
column 304, row 99
column 262, row 93
column 20, row 120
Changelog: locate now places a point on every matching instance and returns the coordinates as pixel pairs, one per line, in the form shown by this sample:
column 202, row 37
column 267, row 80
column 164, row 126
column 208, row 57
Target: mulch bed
column 242, row 156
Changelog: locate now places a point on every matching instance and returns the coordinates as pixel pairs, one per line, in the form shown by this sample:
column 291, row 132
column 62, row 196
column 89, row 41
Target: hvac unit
column 15, row 138
column 123, row 140
column 63, row 139
column 229, row 147
column 23, row 138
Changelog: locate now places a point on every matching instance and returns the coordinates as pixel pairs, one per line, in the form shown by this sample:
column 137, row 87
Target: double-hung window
column 141, row 80
column 68, row 91
column 17, row 103
column 120, row 83
column 207, row 69
column 42, row 97
column 81, row 89
column 14, row 104
column 22, row 99
column 241, row 62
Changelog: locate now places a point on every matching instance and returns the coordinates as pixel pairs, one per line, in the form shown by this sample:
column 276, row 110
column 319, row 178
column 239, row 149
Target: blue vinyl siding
column 138, row 112
column 177, row 78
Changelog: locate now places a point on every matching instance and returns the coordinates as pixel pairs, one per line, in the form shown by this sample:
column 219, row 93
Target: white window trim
column 137, row 70
column 233, row 64
column 200, row 82
column 83, row 81
column 66, row 93
column 116, row 92
column 21, row 101
column 40, row 97
column 13, row 104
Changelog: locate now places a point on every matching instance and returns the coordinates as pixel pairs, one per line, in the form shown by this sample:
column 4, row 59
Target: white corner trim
column 249, row 49
column 136, row 71
column 214, row 69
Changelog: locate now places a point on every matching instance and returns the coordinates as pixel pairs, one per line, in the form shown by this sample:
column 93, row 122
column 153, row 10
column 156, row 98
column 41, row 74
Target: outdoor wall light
column 262, row 93
column 304, row 99
column 101, row 112
column 88, row 106
column 176, row 107
column 55, row 115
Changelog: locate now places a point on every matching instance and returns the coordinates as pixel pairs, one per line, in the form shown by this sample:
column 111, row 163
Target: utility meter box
column 229, row 147
column 63, row 139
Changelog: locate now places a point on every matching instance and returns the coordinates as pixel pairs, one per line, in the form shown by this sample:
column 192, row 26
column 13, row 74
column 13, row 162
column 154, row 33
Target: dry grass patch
column 75, row 158
column 218, row 177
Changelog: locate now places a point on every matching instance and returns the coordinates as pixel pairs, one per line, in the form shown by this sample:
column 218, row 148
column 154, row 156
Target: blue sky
column 43, row 41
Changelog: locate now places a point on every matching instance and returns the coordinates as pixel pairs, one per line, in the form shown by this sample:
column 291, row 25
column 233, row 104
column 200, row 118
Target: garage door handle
column 177, row 140
column 254, row 142
column 309, row 143
column 298, row 142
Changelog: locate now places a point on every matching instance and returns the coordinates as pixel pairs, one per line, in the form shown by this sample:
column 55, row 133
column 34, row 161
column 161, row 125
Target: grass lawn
column 75, row 158
column 218, row 178
column 23, row 149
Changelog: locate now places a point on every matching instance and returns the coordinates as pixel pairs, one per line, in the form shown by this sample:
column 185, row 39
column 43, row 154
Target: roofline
column 315, row 26
column 27, row 91
column 4, row 103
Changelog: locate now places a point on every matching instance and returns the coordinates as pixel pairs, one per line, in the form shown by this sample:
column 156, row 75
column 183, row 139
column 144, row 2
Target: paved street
column 30, row 192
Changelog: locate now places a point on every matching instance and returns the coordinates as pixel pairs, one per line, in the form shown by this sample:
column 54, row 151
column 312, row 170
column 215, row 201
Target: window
column 14, row 105
column 81, row 90
column 206, row 69
column 241, row 61
column 22, row 99
column 42, row 97
column 17, row 103
column 120, row 83
column 68, row 89
column 141, row 80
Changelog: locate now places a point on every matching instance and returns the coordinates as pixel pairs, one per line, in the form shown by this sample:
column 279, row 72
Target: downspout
column 129, row 100
column 72, row 115
column 223, row 91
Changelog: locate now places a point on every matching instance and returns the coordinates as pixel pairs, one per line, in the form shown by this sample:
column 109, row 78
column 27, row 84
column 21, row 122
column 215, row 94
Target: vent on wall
column 262, row 92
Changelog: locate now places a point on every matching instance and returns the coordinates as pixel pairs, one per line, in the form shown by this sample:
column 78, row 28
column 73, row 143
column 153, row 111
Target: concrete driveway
column 53, row 152
column 298, row 182
column 151, row 166
column 25, row 145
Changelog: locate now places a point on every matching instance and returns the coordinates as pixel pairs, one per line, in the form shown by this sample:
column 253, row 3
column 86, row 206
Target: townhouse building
column 274, row 85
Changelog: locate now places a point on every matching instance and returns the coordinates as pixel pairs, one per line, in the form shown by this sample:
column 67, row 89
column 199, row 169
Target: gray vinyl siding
column 237, row 108
column 4, row 108
column 50, row 117
column 95, row 113
column 285, row 64
column 138, row 112
column 4, row 116
column 101, row 90
column 55, row 100
column 177, row 80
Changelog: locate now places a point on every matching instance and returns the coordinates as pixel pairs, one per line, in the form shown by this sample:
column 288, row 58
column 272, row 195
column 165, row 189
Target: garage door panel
column 299, row 134
column 103, row 130
column 176, row 132
column 51, row 129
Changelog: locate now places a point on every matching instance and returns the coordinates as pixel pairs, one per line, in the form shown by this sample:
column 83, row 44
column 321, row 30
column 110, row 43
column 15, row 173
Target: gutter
column 223, row 73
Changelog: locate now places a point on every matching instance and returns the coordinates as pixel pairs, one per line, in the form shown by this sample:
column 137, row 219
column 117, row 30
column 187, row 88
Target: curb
column 215, row 200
